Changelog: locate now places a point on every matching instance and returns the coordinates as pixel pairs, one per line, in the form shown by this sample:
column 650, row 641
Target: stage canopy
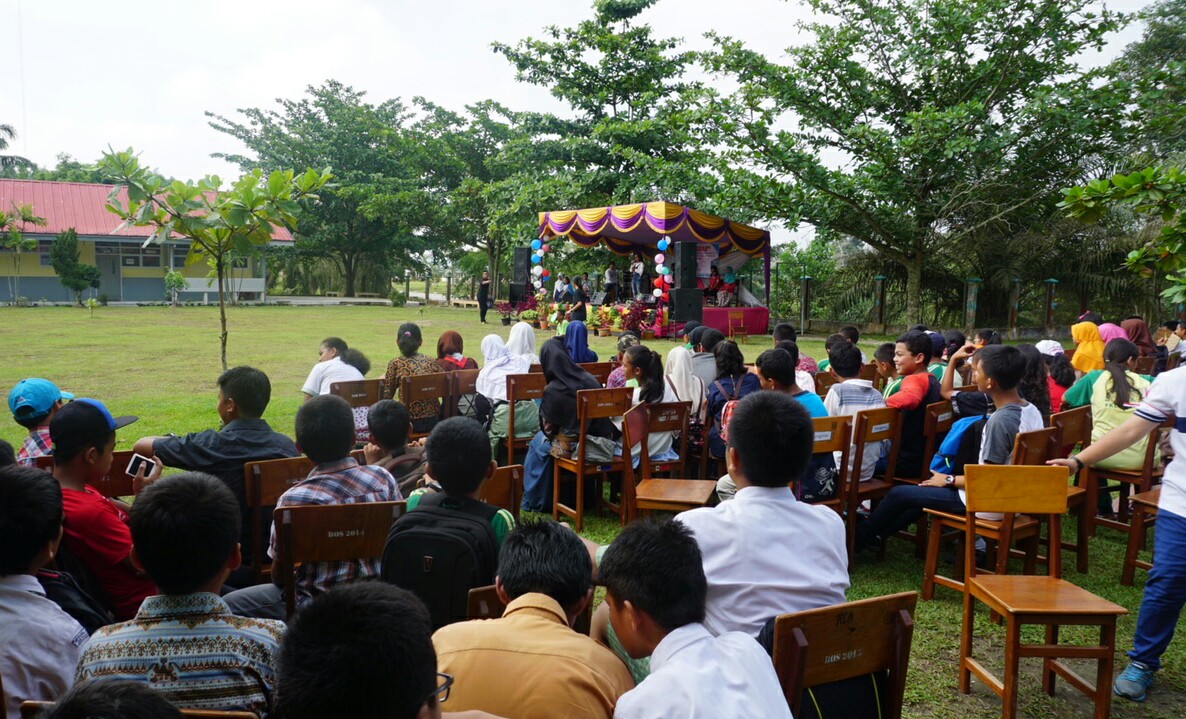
column 624, row 227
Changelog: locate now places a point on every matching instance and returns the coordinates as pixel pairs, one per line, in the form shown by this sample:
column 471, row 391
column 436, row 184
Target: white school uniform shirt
column 766, row 553
column 39, row 644
column 694, row 674
column 848, row 398
column 804, row 381
column 1167, row 397
column 326, row 373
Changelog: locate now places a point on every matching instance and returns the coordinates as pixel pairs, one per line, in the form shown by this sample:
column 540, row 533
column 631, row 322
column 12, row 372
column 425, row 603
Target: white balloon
column 539, row 253
column 657, row 292
column 537, row 270
column 538, row 285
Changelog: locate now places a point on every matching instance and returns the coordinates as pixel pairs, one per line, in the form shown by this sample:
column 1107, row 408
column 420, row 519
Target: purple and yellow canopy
column 624, row 227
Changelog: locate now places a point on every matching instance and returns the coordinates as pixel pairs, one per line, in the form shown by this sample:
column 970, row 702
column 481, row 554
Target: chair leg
column 1048, row 674
column 965, row 678
column 1081, row 536
column 934, row 543
column 1136, row 535
column 1093, row 491
column 1103, row 676
column 1012, row 668
column 580, row 503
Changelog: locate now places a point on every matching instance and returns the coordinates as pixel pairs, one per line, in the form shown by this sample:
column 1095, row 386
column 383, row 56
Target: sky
column 77, row 76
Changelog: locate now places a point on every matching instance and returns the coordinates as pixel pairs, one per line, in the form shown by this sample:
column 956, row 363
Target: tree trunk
column 350, row 274
column 914, row 289
column 492, row 264
column 78, row 298
column 219, row 268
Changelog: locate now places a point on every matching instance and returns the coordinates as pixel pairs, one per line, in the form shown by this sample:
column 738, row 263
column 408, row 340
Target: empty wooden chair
column 641, row 491
column 738, row 332
column 1144, row 514
column 830, row 644
column 600, row 370
column 520, row 387
column 361, row 394
column 591, row 404
column 1048, row 601
column 264, row 482
column 432, row 387
column 505, row 489
column 329, row 533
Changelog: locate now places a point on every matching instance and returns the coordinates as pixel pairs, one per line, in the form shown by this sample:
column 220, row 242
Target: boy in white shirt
column 656, row 591
column 850, row 396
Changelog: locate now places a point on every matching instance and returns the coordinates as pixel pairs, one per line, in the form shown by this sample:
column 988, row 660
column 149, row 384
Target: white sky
column 78, row 75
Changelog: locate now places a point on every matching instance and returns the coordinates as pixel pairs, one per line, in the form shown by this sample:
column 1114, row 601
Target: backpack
column 961, row 446
column 820, row 481
column 440, row 553
column 727, row 410
column 61, row 588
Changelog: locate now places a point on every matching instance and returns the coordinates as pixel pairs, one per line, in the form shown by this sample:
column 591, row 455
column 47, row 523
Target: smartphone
column 137, row 461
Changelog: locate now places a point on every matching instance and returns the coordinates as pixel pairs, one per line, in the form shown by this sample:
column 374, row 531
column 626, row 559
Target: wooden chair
column 871, row 425
column 536, row 368
column 433, row 387
column 361, row 394
column 869, row 372
column 1140, row 480
column 1073, row 428
column 264, row 482
column 1048, row 600
column 830, row 644
column 1173, row 361
column 505, row 489
column 937, row 423
column 462, row 383
column 738, row 332
column 834, row 434
column 600, row 370
column 1144, row 514
column 1029, row 448
column 484, row 603
column 329, row 533
column 641, row 491
column 824, row 382
column 116, row 483
column 31, row 710
column 1146, row 365
column 591, row 404
column 520, row 387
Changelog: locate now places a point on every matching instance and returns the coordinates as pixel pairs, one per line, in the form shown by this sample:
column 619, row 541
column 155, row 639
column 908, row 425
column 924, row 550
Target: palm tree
column 10, row 161
column 12, row 238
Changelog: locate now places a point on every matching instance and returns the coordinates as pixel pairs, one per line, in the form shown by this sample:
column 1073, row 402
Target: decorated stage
column 757, row 319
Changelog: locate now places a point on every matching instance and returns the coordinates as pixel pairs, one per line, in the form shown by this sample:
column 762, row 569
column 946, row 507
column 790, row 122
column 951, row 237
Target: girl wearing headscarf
column 728, row 289
column 449, row 352
column 491, row 401
column 422, row 412
column 688, row 388
column 558, row 421
column 521, row 342
column 1109, row 332
column 1138, row 333
column 576, row 341
column 1089, row 350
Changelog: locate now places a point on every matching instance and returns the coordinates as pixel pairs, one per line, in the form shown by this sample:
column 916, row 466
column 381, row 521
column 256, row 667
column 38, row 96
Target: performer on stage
column 714, row 283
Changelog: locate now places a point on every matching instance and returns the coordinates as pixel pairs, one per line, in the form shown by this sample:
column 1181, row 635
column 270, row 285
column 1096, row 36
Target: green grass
column 161, row 364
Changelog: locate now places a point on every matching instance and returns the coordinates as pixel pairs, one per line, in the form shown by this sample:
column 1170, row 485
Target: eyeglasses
column 441, row 693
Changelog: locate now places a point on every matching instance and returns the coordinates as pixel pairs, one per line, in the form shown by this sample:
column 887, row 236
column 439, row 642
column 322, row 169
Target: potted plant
column 634, row 317
column 506, row 310
column 531, row 316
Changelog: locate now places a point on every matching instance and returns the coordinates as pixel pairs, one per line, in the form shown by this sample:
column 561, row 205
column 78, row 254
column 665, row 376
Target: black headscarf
column 565, row 379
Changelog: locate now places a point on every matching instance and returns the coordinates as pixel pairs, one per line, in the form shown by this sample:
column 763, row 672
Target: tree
column 12, row 238
column 10, row 161
column 378, row 199
column 920, row 126
column 219, row 223
column 74, row 275
column 1156, row 67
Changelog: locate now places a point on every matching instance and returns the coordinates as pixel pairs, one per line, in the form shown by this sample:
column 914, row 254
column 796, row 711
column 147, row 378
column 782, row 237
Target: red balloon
column 666, row 297
column 545, row 274
column 546, row 248
column 658, row 283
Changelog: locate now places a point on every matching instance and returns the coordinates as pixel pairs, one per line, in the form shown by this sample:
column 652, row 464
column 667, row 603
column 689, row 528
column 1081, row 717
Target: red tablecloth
column 757, row 319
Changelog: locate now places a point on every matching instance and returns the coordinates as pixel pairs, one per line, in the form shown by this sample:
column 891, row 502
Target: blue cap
column 34, row 397
column 83, row 421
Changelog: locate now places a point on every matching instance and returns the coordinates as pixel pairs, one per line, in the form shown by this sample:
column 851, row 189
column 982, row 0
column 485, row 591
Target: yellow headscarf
column 1089, row 354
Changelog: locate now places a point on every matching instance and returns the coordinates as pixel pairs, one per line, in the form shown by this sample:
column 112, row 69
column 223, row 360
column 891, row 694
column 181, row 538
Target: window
column 179, row 254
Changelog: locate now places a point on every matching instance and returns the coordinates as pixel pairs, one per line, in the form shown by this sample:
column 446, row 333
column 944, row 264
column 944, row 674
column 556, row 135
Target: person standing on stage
column 611, row 283
column 484, row 295
column 636, row 270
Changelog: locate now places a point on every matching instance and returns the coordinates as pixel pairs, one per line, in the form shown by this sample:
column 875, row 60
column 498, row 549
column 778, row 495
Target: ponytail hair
column 1117, row 353
column 408, row 338
column 650, row 365
column 1060, row 369
column 988, row 336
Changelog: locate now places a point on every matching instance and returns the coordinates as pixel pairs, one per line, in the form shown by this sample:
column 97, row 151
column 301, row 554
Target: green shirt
column 937, row 369
column 892, row 388
column 503, row 522
column 824, row 365
column 1079, row 395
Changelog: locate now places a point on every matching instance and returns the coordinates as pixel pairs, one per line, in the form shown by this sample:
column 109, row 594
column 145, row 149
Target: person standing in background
column 636, row 270
column 611, row 283
column 484, row 295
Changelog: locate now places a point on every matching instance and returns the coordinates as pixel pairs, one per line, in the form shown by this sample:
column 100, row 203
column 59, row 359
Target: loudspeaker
column 683, row 264
column 687, row 304
column 521, row 267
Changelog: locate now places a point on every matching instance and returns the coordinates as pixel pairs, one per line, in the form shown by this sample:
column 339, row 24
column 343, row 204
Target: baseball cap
column 627, row 340
column 1050, row 347
column 687, row 328
column 938, row 344
column 695, row 335
column 34, row 397
column 83, row 421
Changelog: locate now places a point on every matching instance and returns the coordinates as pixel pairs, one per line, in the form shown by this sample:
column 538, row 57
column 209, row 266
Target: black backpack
column 441, row 552
column 61, row 588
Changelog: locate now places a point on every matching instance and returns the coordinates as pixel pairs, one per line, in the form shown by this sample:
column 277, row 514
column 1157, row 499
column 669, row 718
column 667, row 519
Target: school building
column 129, row 271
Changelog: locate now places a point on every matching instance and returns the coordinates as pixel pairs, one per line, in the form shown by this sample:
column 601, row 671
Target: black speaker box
column 687, row 304
column 522, row 266
column 683, row 264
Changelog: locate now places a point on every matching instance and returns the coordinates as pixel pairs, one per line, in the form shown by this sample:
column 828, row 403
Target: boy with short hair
column 33, row 403
column 656, row 591
column 851, row 395
column 325, row 431
column 883, row 358
column 95, row 527
column 853, row 335
column 184, row 642
column 784, row 331
column 390, row 423
column 829, row 342
column 39, row 643
column 998, row 371
column 912, row 354
column 776, row 370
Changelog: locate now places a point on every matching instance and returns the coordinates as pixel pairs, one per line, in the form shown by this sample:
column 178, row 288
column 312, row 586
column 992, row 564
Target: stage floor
column 756, row 322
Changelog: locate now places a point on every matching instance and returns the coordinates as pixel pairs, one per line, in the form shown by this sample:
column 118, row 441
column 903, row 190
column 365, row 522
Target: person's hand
column 934, row 482
column 418, row 442
column 964, row 352
column 1163, row 341
column 1068, row 463
column 372, row 453
column 141, row 480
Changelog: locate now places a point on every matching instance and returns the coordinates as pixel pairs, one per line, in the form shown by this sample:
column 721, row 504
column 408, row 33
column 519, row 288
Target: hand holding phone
column 143, row 471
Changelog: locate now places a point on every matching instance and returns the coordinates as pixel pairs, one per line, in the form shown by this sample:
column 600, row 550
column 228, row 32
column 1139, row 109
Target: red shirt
column 1056, row 393
column 95, row 530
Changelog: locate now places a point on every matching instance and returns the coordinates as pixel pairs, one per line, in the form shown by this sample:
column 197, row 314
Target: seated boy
column 853, row 336
column 457, row 468
column 389, row 423
column 656, row 591
column 39, row 643
column 325, row 431
column 33, row 402
column 530, row 664
column 243, row 395
column 95, row 530
column 997, row 372
column 883, row 358
column 829, row 342
column 919, row 388
column 776, row 369
column 850, row 396
column 184, row 642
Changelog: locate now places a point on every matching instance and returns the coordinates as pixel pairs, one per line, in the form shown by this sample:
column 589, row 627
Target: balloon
column 537, row 270
column 535, row 259
column 658, row 283
column 658, row 269
column 668, row 279
column 547, row 273
column 665, row 270
column 666, row 297
column 539, row 253
column 546, row 248
column 539, row 285
column 660, row 259
column 657, row 293
column 664, row 244
column 536, row 244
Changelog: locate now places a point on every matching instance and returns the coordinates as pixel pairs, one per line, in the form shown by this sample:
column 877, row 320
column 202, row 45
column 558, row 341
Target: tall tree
column 74, row 275
column 13, row 224
column 7, row 133
column 377, row 202
column 918, row 125
column 1155, row 65
column 219, row 223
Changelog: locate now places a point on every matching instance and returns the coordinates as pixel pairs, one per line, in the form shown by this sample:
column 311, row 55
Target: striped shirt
column 340, row 482
column 190, row 648
column 37, row 444
column 848, row 398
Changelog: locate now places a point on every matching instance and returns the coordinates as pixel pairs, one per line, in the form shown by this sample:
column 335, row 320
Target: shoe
column 1134, row 682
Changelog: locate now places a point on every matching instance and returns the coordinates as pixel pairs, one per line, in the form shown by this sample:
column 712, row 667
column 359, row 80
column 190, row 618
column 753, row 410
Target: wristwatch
column 1078, row 463
column 949, row 482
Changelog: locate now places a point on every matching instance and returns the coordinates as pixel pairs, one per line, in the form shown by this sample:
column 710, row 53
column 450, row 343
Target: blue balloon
column 535, row 259
column 536, row 244
column 666, row 270
column 664, row 244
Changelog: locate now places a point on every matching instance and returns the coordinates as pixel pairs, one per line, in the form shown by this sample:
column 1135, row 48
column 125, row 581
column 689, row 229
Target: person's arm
column 1126, row 435
column 912, row 393
column 144, row 445
column 947, row 384
column 390, row 383
column 312, row 386
column 1079, row 394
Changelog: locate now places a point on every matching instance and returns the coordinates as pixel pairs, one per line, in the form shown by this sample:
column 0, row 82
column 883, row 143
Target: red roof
column 81, row 205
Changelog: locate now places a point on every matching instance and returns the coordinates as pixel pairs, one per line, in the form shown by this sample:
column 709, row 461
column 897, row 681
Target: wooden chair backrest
column 937, row 423
column 264, row 482
column 464, row 381
column 1013, row 489
column 599, row 404
column 1146, row 365
column 823, row 382
column 641, row 420
column 433, row 386
column 359, row 393
column 825, row 645
column 329, row 533
column 30, row 710
column 525, row 386
column 1072, row 427
column 116, row 483
column 869, row 372
column 600, row 370
column 504, row 489
column 484, row 603
column 968, row 388
column 536, row 368
column 1173, row 361
column 1033, row 447
column 875, row 425
column 832, row 434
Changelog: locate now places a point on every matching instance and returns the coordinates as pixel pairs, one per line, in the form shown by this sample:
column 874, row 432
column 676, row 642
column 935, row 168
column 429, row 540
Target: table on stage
column 757, row 319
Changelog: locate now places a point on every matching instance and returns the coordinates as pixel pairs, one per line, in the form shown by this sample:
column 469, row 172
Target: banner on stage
column 706, row 254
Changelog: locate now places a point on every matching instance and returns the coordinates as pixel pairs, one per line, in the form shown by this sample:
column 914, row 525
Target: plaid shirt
column 37, row 444
column 341, row 482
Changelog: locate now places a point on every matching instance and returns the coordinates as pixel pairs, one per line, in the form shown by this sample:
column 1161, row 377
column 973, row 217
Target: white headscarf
column 522, row 342
column 492, row 378
column 1050, row 347
column 688, row 387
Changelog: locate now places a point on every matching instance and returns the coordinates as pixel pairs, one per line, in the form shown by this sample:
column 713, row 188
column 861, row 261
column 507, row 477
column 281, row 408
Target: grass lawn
column 161, row 364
